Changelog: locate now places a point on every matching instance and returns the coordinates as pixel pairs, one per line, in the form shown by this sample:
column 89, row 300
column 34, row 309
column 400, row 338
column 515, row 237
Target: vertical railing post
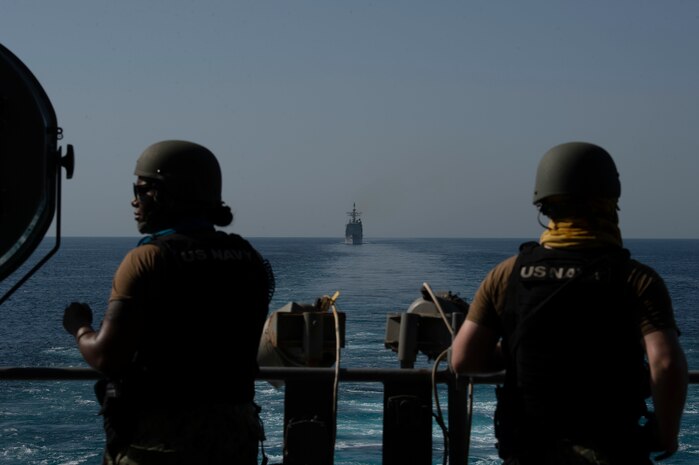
column 407, row 422
column 309, row 420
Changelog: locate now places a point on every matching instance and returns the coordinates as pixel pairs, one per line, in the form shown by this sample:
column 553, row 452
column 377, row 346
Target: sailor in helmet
column 585, row 332
column 178, row 342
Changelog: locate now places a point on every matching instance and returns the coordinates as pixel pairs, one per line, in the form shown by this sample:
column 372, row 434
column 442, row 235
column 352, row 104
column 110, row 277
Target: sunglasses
column 140, row 191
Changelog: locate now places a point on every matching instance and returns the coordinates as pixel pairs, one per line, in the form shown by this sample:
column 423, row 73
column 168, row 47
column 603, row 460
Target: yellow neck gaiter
column 600, row 231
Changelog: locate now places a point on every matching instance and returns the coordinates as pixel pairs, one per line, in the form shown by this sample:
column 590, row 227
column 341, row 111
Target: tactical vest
column 203, row 322
column 572, row 343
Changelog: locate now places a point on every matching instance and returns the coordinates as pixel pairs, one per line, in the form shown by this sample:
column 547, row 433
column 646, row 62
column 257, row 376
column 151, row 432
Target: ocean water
column 51, row 423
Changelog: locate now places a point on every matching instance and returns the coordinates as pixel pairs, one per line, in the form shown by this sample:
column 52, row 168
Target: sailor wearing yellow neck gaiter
column 566, row 320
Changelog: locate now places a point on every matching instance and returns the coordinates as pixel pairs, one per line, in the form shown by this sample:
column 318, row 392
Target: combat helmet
column 577, row 170
column 188, row 173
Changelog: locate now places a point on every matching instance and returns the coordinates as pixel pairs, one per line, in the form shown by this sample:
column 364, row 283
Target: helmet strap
column 538, row 218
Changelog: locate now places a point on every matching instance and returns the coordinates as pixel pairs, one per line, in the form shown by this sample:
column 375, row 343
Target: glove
column 75, row 316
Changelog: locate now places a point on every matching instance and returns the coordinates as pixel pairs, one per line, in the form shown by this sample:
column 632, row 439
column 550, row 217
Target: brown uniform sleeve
column 656, row 306
column 489, row 301
column 131, row 278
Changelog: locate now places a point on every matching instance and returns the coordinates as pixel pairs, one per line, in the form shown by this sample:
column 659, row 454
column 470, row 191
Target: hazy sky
column 431, row 116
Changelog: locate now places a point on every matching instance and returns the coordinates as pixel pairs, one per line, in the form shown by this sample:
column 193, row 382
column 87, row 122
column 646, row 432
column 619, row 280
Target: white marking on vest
column 193, row 255
column 229, row 254
column 554, row 272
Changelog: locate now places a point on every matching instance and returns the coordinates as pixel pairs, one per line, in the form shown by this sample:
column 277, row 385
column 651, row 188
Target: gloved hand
column 75, row 316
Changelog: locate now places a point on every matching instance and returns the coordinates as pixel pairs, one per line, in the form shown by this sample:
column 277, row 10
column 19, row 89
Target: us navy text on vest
column 216, row 254
column 553, row 272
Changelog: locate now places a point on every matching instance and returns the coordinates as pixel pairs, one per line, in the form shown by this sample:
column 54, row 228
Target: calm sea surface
column 57, row 423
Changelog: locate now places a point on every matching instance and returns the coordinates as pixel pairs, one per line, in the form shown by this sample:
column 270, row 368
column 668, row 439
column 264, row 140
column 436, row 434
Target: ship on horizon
column 354, row 233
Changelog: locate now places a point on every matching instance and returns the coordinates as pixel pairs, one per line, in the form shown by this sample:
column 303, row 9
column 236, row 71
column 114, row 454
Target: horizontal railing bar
column 266, row 373
column 272, row 373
